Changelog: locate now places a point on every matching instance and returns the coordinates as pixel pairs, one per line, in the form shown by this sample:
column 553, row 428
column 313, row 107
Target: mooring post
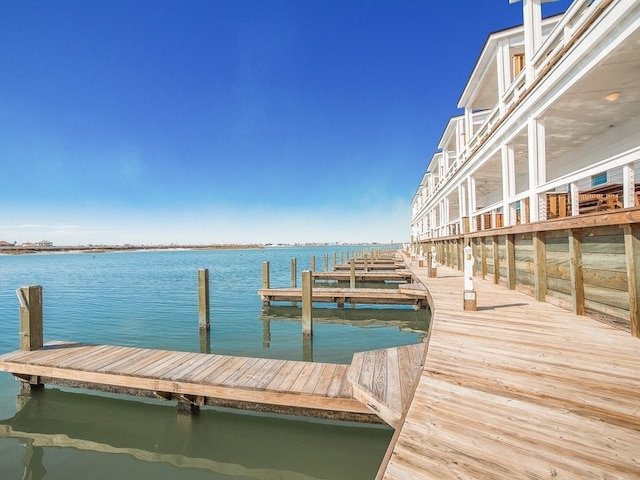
column 265, row 275
column 294, row 273
column 307, row 303
column 335, row 259
column 31, row 330
column 31, row 337
column 312, row 263
column 326, row 262
column 294, row 277
column 365, row 263
column 352, row 274
column 307, row 348
column 203, row 300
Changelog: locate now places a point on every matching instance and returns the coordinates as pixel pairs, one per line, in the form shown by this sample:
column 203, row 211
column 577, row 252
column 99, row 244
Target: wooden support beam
column 496, row 260
column 307, row 303
column 31, row 329
column 203, row 300
column 483, row 257
column 577, row 283
column 539, row 266
column 511, row 261
column 632, row 254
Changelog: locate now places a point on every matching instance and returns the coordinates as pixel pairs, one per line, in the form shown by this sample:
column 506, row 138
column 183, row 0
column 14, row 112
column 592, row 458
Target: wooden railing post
column 203, row 300
column 31, row 331
column 539, row 265
column 307, row 303
column 511, row 261
column 632, row 252
column 575, row 264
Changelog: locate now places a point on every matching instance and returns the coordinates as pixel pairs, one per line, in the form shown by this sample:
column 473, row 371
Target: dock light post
column 433, row 266
column 469, row 294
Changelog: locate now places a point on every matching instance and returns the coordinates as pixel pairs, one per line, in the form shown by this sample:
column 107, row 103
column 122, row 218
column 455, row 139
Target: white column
column 575, row 199
column 462, row 200
column 628, row 186
column 471, row 196
column 468, row 123
column 537, row 166
column 508, row 183
column 532, row 15
column 503, row 62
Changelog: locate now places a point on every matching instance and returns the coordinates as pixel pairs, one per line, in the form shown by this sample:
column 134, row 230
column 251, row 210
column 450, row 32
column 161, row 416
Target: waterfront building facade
column 550, row 132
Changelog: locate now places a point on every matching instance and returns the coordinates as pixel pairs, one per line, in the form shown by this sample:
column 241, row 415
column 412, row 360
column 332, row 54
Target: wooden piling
column 307, row 303
column 365, row 263
column 312, row 263
column 265, row 275
column 352, row 275
column 203, row 300
column 326, row 262
column 31, row 337
column 294, row 273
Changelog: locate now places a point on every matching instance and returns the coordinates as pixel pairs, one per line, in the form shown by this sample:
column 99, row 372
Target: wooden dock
column 377, row 385
column 518, row 389
column 400, row 275
column 415, row 297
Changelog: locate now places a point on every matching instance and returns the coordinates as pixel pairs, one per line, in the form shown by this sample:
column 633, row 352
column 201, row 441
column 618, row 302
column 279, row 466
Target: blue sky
column 244, row 121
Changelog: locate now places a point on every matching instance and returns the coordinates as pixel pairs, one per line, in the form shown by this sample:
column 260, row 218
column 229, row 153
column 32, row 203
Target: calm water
column 149, row 299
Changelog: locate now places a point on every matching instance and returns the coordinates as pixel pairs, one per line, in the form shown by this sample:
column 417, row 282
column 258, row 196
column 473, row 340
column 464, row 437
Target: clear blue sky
column 208, row 121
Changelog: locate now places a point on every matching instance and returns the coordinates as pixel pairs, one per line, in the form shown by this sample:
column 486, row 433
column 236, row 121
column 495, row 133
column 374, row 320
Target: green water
column 149, row 299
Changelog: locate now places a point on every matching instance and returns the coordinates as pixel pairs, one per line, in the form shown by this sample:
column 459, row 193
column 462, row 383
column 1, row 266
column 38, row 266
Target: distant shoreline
column 31, row 249
column 34, row 249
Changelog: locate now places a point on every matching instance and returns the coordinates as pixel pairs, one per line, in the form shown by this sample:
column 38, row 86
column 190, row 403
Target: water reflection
column 404, row 319
column 231, row 445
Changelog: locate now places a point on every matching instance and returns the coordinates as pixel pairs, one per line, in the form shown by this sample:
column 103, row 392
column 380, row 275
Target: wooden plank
column 511, row 262
column 519, row 389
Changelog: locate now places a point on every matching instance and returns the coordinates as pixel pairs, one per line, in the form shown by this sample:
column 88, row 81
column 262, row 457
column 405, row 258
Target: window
column 599, row 179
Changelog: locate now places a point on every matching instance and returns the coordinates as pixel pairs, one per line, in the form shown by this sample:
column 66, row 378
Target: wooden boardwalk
column 319, row 389
column 341, row 296
column 518, row 389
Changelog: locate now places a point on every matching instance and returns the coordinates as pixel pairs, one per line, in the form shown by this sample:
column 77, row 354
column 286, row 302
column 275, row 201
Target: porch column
column 628, row 186
column 537, row 166
column 532, row 16
column 471, row 189
column 508, row 183
column 503, row 63
column 462, row 202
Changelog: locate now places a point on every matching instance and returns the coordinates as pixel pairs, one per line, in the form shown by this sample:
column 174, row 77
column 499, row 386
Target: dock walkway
column 378, row 383
column 518, row 389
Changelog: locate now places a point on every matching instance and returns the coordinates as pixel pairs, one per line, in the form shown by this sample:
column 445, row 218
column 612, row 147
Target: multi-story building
column 550, row 132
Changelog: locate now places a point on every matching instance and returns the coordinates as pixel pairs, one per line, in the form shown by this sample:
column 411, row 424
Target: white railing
column 579, row 14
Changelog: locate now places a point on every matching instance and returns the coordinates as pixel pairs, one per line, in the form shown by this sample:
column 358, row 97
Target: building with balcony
column 548, row 144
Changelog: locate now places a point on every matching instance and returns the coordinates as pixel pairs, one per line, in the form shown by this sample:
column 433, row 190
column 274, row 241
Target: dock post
column 31, row 337
column 352, row 273
column 265, row 283
column 307, row 348
column 31, row 330
column 265, row 275
column 326, row 262
column 365, row 263
column 335, row 259
column 203, row 300
column 312, row 263
column 294, row 277
column 307, row 303
column 294, row 273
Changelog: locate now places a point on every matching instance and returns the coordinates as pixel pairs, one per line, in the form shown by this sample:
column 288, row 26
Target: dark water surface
column 149, row 299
